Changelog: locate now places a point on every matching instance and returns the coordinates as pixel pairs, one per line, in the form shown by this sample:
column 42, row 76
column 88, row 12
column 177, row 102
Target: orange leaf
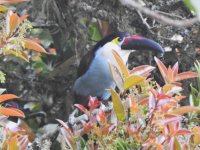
column 170, row 77
column 133, row 106
column 30, row 44
column 179, row 98
column 134, row 133
column 22, row 18
column 175, row 69
column 185, row 109
column 101, row 116
column 11, row 112
column 186, row 75
column 144, row 102
column 105, row 129
column 6, row 97
column 13, row 22
column 167, row 87
column 162, row 68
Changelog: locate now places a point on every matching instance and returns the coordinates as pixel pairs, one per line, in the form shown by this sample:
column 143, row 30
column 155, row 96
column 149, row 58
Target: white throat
column 106, row 51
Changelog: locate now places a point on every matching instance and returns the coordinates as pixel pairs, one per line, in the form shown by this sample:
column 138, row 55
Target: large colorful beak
column 141, row 43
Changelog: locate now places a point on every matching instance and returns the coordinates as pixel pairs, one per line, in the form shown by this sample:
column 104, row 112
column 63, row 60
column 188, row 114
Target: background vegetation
column 41, row 43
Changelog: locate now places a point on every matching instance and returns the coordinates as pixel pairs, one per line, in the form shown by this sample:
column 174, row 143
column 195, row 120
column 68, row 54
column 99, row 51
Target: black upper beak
column 141, row 43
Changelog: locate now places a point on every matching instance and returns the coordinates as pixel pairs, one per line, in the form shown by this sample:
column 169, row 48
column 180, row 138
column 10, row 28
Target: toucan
column 94, row 77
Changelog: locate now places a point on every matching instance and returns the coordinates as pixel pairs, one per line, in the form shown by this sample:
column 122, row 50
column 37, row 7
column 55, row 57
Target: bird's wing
column 85, row 63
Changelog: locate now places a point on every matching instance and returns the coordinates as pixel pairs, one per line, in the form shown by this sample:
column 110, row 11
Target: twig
column 145, row 22
column 158, row 17
column 168, row 14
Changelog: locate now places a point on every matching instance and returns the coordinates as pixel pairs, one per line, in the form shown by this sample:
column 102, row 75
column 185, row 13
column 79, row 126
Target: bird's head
column 136, row 42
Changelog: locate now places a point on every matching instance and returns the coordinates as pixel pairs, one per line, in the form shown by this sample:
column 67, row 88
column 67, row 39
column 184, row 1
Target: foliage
column 147, row 117
column 13, row 41
column 2, row 77
column 195, row 92
column 194, row 6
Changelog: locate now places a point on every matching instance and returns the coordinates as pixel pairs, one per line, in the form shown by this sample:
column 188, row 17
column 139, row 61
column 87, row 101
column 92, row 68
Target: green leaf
column 13, row 143
column 195, row 96
column 2, row 77
column 94, row 32
column 189, row 5
column 118, row 106
column 120, row 145
column 3, row 8
column 18, row 53
column 194, row 6
column 197, row 67
column 132, row 80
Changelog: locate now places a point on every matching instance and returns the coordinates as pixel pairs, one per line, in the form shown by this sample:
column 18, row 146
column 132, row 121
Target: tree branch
column 160, row 18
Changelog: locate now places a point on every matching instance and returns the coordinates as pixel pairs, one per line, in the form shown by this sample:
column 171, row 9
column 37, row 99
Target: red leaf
column 65, row 127
column 23, row 142
column 93, row 103
column 182, row 132
column 169, row 120
column 175, row 69
column 143, row 70
column 87, row 127
column 186, row 75
column 162, row 68
column 185, row 109
column 163, row 96
column 81, row 107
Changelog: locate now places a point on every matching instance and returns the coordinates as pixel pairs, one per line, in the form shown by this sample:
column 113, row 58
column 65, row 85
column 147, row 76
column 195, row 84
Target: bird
column 93, row 75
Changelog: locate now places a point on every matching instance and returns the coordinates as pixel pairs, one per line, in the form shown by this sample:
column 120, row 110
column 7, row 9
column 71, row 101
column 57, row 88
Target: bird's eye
column 120, row 39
